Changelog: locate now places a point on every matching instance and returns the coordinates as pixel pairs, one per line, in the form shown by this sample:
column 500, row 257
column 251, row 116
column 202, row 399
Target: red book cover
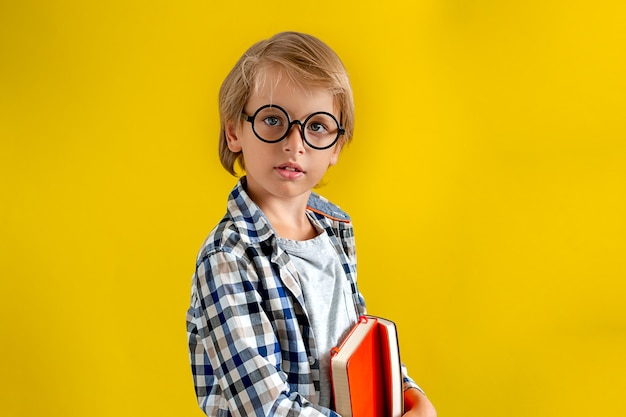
column 366, row 371
column 392, row 367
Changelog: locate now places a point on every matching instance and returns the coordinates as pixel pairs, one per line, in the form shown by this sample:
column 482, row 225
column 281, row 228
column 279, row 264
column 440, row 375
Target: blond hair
column 303, row 58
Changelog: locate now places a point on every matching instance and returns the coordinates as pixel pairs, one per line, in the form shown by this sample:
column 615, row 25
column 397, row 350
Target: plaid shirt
column 251, row 345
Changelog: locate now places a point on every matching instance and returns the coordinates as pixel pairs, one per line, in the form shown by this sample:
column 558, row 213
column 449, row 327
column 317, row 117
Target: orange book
column 366, row 371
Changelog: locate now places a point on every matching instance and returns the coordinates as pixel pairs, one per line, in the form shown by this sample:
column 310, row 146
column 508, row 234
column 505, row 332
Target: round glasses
column 271, row 124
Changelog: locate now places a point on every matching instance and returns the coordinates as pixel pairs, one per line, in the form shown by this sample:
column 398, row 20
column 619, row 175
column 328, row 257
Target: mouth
column 290, row 168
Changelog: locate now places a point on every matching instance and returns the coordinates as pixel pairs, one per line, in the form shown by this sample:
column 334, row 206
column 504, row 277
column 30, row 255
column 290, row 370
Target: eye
column 272, row 121
column 317, row 127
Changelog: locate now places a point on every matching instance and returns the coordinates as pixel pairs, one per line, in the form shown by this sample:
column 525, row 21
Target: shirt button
column 311, row 360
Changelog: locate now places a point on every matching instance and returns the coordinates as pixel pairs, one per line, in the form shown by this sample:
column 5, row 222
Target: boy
column 275, row 282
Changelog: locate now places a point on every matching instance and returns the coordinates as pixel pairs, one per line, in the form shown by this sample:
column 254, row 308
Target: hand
column 417, row 404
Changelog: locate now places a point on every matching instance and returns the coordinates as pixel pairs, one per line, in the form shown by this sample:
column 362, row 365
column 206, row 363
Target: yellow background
column 486, row 180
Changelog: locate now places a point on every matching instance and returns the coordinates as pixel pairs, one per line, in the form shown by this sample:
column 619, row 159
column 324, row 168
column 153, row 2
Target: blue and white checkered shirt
column 251, row 345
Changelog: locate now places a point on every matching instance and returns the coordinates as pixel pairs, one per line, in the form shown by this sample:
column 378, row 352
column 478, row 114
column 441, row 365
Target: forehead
column 278, row 86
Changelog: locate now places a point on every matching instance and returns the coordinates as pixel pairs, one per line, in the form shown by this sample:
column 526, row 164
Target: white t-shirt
column 328, row 298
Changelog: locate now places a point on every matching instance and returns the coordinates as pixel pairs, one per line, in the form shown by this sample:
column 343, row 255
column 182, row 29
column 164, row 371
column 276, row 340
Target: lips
column 290, row 171
column 290, row 167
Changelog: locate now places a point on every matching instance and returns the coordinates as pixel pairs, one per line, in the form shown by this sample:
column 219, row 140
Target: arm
column 416, row 404
column 235, row 354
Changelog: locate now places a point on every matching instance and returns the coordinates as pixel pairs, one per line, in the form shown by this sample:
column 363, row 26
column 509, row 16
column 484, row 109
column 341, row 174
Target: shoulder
column 223, row 238
column 335, row 221
column 323, row 207
column 228, row 239
column 242, row 227
column 228, row 258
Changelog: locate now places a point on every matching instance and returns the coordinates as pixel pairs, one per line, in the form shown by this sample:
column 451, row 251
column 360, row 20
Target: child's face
column 289, row 168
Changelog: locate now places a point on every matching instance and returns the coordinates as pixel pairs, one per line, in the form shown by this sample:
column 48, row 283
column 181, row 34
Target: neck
column 293, row 229
column 289, row 220
column 287, row 216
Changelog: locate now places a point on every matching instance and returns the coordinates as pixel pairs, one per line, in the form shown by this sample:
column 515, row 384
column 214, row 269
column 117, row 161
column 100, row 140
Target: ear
column 232, row 136
column 335, row 155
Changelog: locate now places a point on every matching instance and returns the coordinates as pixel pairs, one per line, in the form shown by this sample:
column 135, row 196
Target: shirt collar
column 254, row 225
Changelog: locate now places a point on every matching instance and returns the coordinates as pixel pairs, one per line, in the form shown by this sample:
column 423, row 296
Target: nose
column 294, row 141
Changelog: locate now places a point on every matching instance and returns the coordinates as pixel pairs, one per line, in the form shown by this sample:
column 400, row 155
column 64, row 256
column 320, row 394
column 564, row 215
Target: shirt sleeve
column 407, row 381
column 235, row 354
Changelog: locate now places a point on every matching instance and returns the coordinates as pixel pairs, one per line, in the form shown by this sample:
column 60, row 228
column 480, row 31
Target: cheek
column 256, row 153
column 250, row 145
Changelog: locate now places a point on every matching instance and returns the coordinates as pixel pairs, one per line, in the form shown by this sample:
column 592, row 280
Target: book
column 394, row 367
column 366, row 371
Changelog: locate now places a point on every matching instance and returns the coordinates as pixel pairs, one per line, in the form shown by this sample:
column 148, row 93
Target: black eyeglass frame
column 340, row 130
